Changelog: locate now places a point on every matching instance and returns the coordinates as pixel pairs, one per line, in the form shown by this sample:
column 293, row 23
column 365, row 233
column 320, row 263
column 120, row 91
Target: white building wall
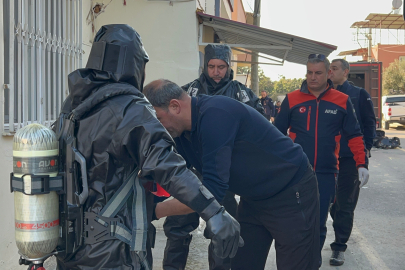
column 207, row 5
column 226, row 11
column 170, row 36
column 242, row 79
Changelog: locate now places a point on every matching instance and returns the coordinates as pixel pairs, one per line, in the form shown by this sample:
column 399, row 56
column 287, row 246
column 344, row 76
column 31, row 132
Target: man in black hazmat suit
column 118, row 133
column 216, row 79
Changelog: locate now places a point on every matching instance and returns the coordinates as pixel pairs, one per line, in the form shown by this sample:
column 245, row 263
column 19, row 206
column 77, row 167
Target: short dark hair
column 317, row 60
column 161, row 92
column 345, row 64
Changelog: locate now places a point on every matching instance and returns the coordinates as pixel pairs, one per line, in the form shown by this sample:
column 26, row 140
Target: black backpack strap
column 103, row 226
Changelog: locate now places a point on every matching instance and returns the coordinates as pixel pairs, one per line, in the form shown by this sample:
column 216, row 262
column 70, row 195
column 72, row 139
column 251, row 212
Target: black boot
column 337, row 258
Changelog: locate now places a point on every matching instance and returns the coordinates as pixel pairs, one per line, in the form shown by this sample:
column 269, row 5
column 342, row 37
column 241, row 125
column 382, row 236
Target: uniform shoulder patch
column 192, row 91
column 244, row 98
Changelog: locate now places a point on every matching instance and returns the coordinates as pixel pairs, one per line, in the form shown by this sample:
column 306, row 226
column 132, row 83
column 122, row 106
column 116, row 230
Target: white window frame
column 44, row 44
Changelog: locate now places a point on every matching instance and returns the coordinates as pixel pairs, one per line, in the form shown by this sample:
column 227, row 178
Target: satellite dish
column 396, row 4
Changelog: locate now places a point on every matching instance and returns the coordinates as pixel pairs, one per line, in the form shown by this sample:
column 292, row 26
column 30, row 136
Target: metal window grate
column 43, row 44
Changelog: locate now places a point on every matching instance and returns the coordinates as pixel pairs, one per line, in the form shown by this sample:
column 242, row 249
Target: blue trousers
column 327, row 187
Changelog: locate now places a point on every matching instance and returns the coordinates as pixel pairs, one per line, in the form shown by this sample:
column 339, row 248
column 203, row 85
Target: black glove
column 224, row 232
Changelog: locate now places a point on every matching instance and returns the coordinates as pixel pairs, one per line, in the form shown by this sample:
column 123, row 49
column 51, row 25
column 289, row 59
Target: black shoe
column 337, row 258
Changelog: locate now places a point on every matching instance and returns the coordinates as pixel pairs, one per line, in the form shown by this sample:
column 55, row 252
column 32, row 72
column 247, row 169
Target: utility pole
column 255, row 56
column 370, row 44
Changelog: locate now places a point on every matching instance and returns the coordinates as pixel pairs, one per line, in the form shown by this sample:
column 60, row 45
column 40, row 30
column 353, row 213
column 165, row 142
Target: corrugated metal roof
column 356, row 52
column 381, row 21
column 265, row 40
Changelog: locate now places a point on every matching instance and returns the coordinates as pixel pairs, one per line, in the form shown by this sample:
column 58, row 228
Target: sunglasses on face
column 317, row 55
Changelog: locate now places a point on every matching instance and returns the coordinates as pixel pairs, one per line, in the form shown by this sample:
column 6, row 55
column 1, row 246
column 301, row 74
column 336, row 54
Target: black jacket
column 117, row 132
column 364, row 109
column 268, row 106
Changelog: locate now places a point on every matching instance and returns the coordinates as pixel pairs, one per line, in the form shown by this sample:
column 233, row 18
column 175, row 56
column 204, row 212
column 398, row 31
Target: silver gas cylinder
column 35, row 152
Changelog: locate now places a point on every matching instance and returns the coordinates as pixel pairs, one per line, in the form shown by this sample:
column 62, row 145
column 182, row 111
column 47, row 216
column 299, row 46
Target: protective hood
column 222, row 52
column 117, row 56
column 211, row 87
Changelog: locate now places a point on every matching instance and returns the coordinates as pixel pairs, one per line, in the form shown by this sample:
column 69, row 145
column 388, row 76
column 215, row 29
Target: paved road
column 378, row 238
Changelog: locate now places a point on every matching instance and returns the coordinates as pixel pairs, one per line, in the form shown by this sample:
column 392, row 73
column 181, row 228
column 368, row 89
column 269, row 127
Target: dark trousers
column 177, row 230
column 291, row 218
column 347, row 194
column 327, row 187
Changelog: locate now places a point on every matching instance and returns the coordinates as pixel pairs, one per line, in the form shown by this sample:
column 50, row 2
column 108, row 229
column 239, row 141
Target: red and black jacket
column 317, row 124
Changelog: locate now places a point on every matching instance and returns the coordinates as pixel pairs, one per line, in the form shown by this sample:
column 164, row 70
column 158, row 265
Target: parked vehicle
column 393, row 110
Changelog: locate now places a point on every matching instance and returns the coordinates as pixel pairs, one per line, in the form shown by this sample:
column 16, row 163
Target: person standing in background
column 347, row 193
column 268, row 106
column 317, row 116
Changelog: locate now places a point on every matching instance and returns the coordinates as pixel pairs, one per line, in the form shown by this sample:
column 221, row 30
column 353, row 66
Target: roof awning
column 381, row 21
column 356, row 52
column 272, row 45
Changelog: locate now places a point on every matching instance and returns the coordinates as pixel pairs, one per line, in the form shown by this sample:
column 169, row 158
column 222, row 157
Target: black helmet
column 117, row 49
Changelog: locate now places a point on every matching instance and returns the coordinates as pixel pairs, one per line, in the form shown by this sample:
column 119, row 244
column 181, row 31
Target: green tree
column 284, row 86
column 277, row 88
column 265, row 83
column 394, row 78
column 243, row 70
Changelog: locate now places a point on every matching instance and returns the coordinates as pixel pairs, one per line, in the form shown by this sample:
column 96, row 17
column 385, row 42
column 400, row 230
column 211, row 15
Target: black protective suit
column 178, row 228
column 117, row 132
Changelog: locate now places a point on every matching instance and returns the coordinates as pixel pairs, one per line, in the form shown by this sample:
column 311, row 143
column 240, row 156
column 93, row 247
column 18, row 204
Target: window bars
column 43, row 44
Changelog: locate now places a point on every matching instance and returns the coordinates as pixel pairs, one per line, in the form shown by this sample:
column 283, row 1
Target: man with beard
column 124, row 146
column 216, row 79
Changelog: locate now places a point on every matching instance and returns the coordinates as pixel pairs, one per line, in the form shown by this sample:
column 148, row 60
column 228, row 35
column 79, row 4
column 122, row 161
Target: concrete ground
column 377, row 241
